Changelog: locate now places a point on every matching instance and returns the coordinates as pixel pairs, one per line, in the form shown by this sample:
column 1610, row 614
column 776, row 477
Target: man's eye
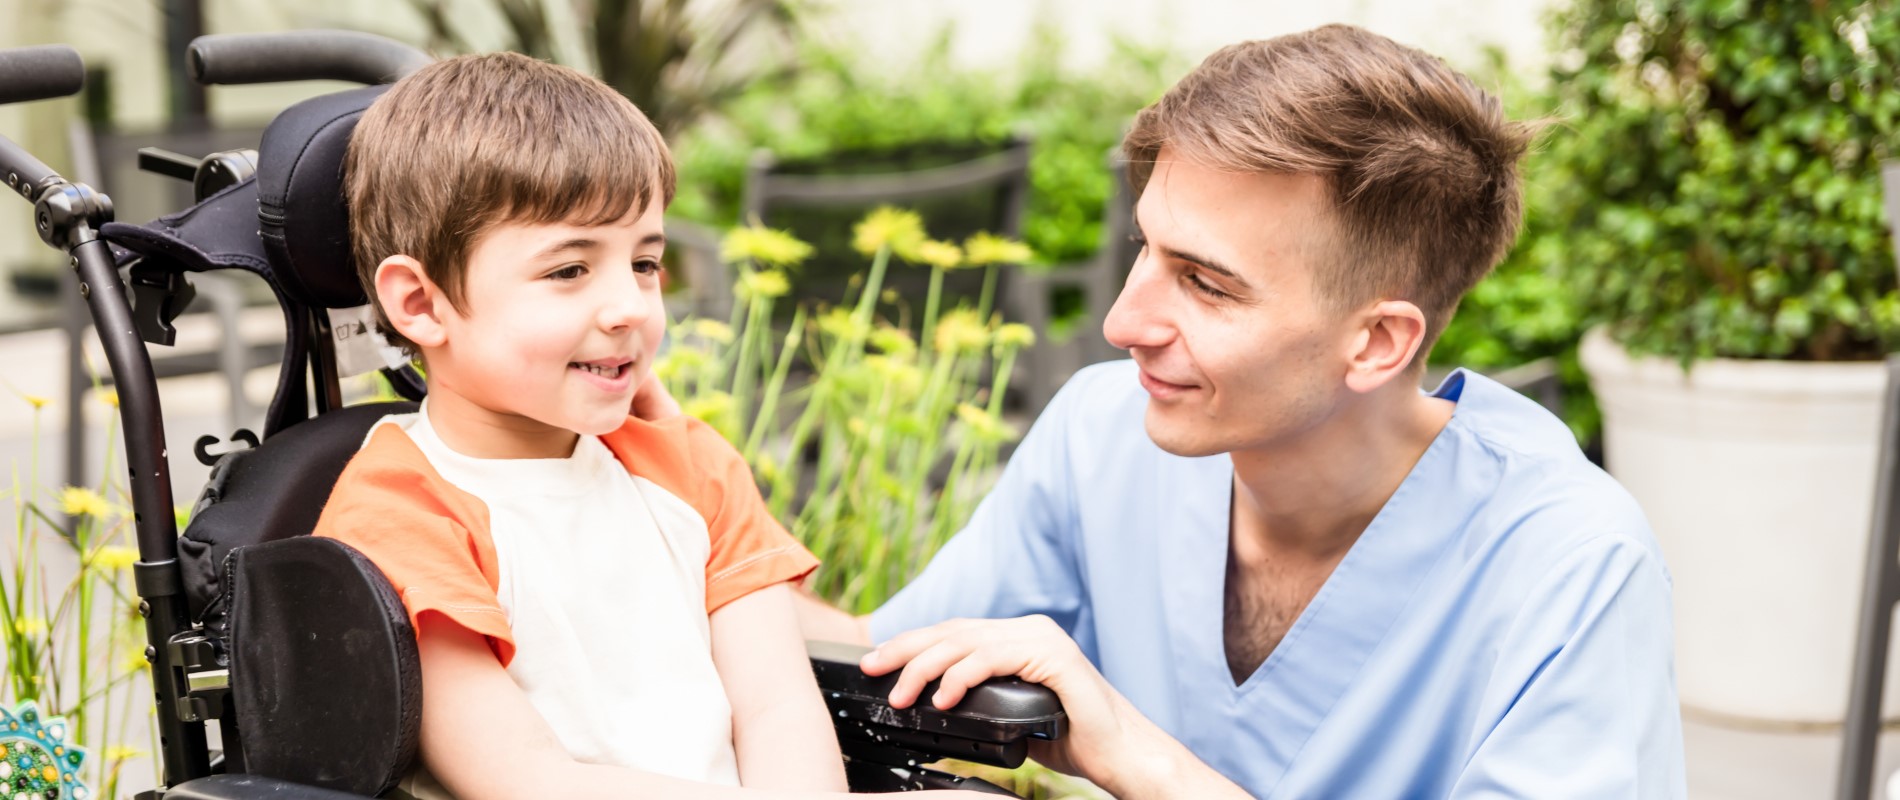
column 568, row 273
column 647, row 266
column 1204, row 287
column 1138, row 240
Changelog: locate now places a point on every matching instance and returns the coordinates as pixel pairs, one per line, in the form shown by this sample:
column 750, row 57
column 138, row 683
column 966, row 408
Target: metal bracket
column 201, row 672
column 159, row 295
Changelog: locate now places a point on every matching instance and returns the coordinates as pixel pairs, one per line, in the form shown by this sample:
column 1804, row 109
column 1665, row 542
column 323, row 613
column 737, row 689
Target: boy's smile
column 557, row 325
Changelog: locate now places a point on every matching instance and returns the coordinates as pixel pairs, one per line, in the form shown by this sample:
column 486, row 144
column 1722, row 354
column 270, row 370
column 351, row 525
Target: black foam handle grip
column 40, row 72
column 237, row 58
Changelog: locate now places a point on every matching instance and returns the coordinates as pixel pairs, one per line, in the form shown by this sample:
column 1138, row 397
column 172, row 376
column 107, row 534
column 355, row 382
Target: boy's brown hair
column 474, row 141
column 1421, row 163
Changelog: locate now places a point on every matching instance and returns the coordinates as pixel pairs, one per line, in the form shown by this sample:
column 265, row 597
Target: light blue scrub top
column 1501, row 629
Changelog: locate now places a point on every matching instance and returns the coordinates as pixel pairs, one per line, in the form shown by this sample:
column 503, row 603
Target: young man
column 1256, row 559
column 601, row 603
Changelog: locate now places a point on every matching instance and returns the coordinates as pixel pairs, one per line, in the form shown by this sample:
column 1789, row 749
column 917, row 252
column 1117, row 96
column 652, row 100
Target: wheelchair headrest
column 289, row 222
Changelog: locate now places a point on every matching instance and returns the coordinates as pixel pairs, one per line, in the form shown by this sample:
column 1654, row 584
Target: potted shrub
column 1717, row 169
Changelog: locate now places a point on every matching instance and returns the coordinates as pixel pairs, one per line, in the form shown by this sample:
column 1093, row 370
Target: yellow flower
column 987, row 248
column 986, row 427
column 767, row 468
column 29, row 626
column 930, row 252
column 893, row 341
column 36, row 401
column 959, row 330
column 767, row 246
column 709, row 407
column 109, row 397
column 77, row 501
column 839, row 324
column 856, row 427
column 900, row 377
column 770, row 283
column 1015, row 335
column 115, row 557
column 712, row 329
column 119, row 752
column 888, row 227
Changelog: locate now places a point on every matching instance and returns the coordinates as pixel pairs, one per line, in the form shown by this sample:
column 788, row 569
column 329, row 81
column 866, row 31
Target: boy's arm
column 825, row 622
column 483, row 740
column 780, row 730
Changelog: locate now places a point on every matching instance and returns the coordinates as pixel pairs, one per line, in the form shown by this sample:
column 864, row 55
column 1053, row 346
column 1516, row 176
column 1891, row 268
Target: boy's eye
column 647, row 266
column 568, row 273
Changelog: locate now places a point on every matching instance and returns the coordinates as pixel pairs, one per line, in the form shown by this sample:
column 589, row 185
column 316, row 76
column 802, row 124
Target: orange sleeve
column 750, row 549
column 429, row 538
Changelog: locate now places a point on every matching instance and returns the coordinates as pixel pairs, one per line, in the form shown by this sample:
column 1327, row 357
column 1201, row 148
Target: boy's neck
column 476, row 431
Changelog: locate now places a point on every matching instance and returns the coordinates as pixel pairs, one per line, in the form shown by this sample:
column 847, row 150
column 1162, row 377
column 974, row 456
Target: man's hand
column 652, row 402
column 1109, row 741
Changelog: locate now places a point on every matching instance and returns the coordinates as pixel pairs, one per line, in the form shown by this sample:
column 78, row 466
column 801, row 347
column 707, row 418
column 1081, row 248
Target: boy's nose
column 627, row 307
column 1136, row 319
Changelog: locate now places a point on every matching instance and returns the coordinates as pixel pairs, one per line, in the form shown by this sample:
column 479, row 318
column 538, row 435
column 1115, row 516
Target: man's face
column 562, row 322
column 1221, row 311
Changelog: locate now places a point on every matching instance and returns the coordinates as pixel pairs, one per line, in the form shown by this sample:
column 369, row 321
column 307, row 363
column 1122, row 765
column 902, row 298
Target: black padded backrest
column 326, row 682
column 300, row 199
column 273, row 492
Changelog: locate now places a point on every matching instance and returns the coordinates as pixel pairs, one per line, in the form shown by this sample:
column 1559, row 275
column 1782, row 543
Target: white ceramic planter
column 1758, row 478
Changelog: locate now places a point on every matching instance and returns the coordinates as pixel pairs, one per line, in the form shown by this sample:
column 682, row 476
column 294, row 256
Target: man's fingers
column 926, row 667
column 965, row 674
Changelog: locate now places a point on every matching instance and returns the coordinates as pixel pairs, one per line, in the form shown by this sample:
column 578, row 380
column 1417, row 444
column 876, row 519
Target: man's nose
column 1136, row 319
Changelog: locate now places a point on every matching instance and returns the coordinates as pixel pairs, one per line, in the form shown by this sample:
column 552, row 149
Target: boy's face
column 1221, row 310
column 561, row 323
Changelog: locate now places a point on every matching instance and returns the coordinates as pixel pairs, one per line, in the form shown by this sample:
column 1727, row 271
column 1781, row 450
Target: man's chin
column 1175, row 438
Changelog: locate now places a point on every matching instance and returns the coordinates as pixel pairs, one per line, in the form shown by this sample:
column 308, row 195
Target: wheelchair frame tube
column 159, row 581
column 24, row 174
column 238, row 58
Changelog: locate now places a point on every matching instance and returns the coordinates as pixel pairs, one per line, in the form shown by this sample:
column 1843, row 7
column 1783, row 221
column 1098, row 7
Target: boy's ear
column 413, row 303
column 1387, row 340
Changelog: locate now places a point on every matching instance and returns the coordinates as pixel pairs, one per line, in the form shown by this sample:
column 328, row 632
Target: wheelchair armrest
column 991, row 725
column 251, row 787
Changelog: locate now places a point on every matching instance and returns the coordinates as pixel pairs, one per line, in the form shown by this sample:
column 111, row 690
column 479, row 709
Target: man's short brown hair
column 1420, row 162
column 474, row 141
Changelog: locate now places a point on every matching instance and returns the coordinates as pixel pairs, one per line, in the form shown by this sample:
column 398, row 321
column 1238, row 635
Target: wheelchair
column 297, row 645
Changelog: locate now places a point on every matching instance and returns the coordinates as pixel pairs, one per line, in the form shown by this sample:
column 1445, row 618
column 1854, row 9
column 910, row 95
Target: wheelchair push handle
column 240, row 58
column 40, row 72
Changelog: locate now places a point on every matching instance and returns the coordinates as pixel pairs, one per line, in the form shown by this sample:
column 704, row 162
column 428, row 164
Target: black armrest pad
column 991, row 725
column 251, row 787
column 324, row 671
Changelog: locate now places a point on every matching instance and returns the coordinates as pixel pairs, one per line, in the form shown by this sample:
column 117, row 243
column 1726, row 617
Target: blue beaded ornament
column 36, row 763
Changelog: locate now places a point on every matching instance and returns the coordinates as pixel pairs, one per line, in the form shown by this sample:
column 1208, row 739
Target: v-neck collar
column 1354, row 609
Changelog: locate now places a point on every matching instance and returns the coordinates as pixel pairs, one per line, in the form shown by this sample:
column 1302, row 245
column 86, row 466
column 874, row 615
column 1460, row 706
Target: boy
column 601, row 604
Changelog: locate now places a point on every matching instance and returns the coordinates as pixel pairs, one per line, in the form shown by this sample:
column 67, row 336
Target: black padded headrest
column 300, row 197
column 288, row 223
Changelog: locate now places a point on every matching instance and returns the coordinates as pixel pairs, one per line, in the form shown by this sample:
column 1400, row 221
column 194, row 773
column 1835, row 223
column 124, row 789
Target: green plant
column 873, row 447
column 676, row 60
column 1714, row 183
column 840, row 103
column 75, row 646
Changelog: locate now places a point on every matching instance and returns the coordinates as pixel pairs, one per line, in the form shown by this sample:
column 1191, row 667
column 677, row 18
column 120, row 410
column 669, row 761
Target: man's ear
column 413, row 303
column 1388, row 338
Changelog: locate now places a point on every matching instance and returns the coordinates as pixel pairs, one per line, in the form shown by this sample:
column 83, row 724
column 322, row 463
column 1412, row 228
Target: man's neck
column 1312, row 497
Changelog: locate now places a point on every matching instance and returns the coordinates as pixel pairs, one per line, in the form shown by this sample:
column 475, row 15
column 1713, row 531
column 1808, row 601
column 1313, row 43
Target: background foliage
column 1713, row 189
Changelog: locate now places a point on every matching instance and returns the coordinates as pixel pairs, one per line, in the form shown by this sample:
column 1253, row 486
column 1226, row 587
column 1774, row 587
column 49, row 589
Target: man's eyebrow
column 1198, row 260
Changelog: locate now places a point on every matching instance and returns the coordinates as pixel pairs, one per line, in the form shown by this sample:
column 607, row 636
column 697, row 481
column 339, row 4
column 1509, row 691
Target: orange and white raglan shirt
column 593, row 577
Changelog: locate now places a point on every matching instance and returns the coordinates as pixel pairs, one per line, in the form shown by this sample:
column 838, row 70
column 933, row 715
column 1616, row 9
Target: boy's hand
column 652, row 402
